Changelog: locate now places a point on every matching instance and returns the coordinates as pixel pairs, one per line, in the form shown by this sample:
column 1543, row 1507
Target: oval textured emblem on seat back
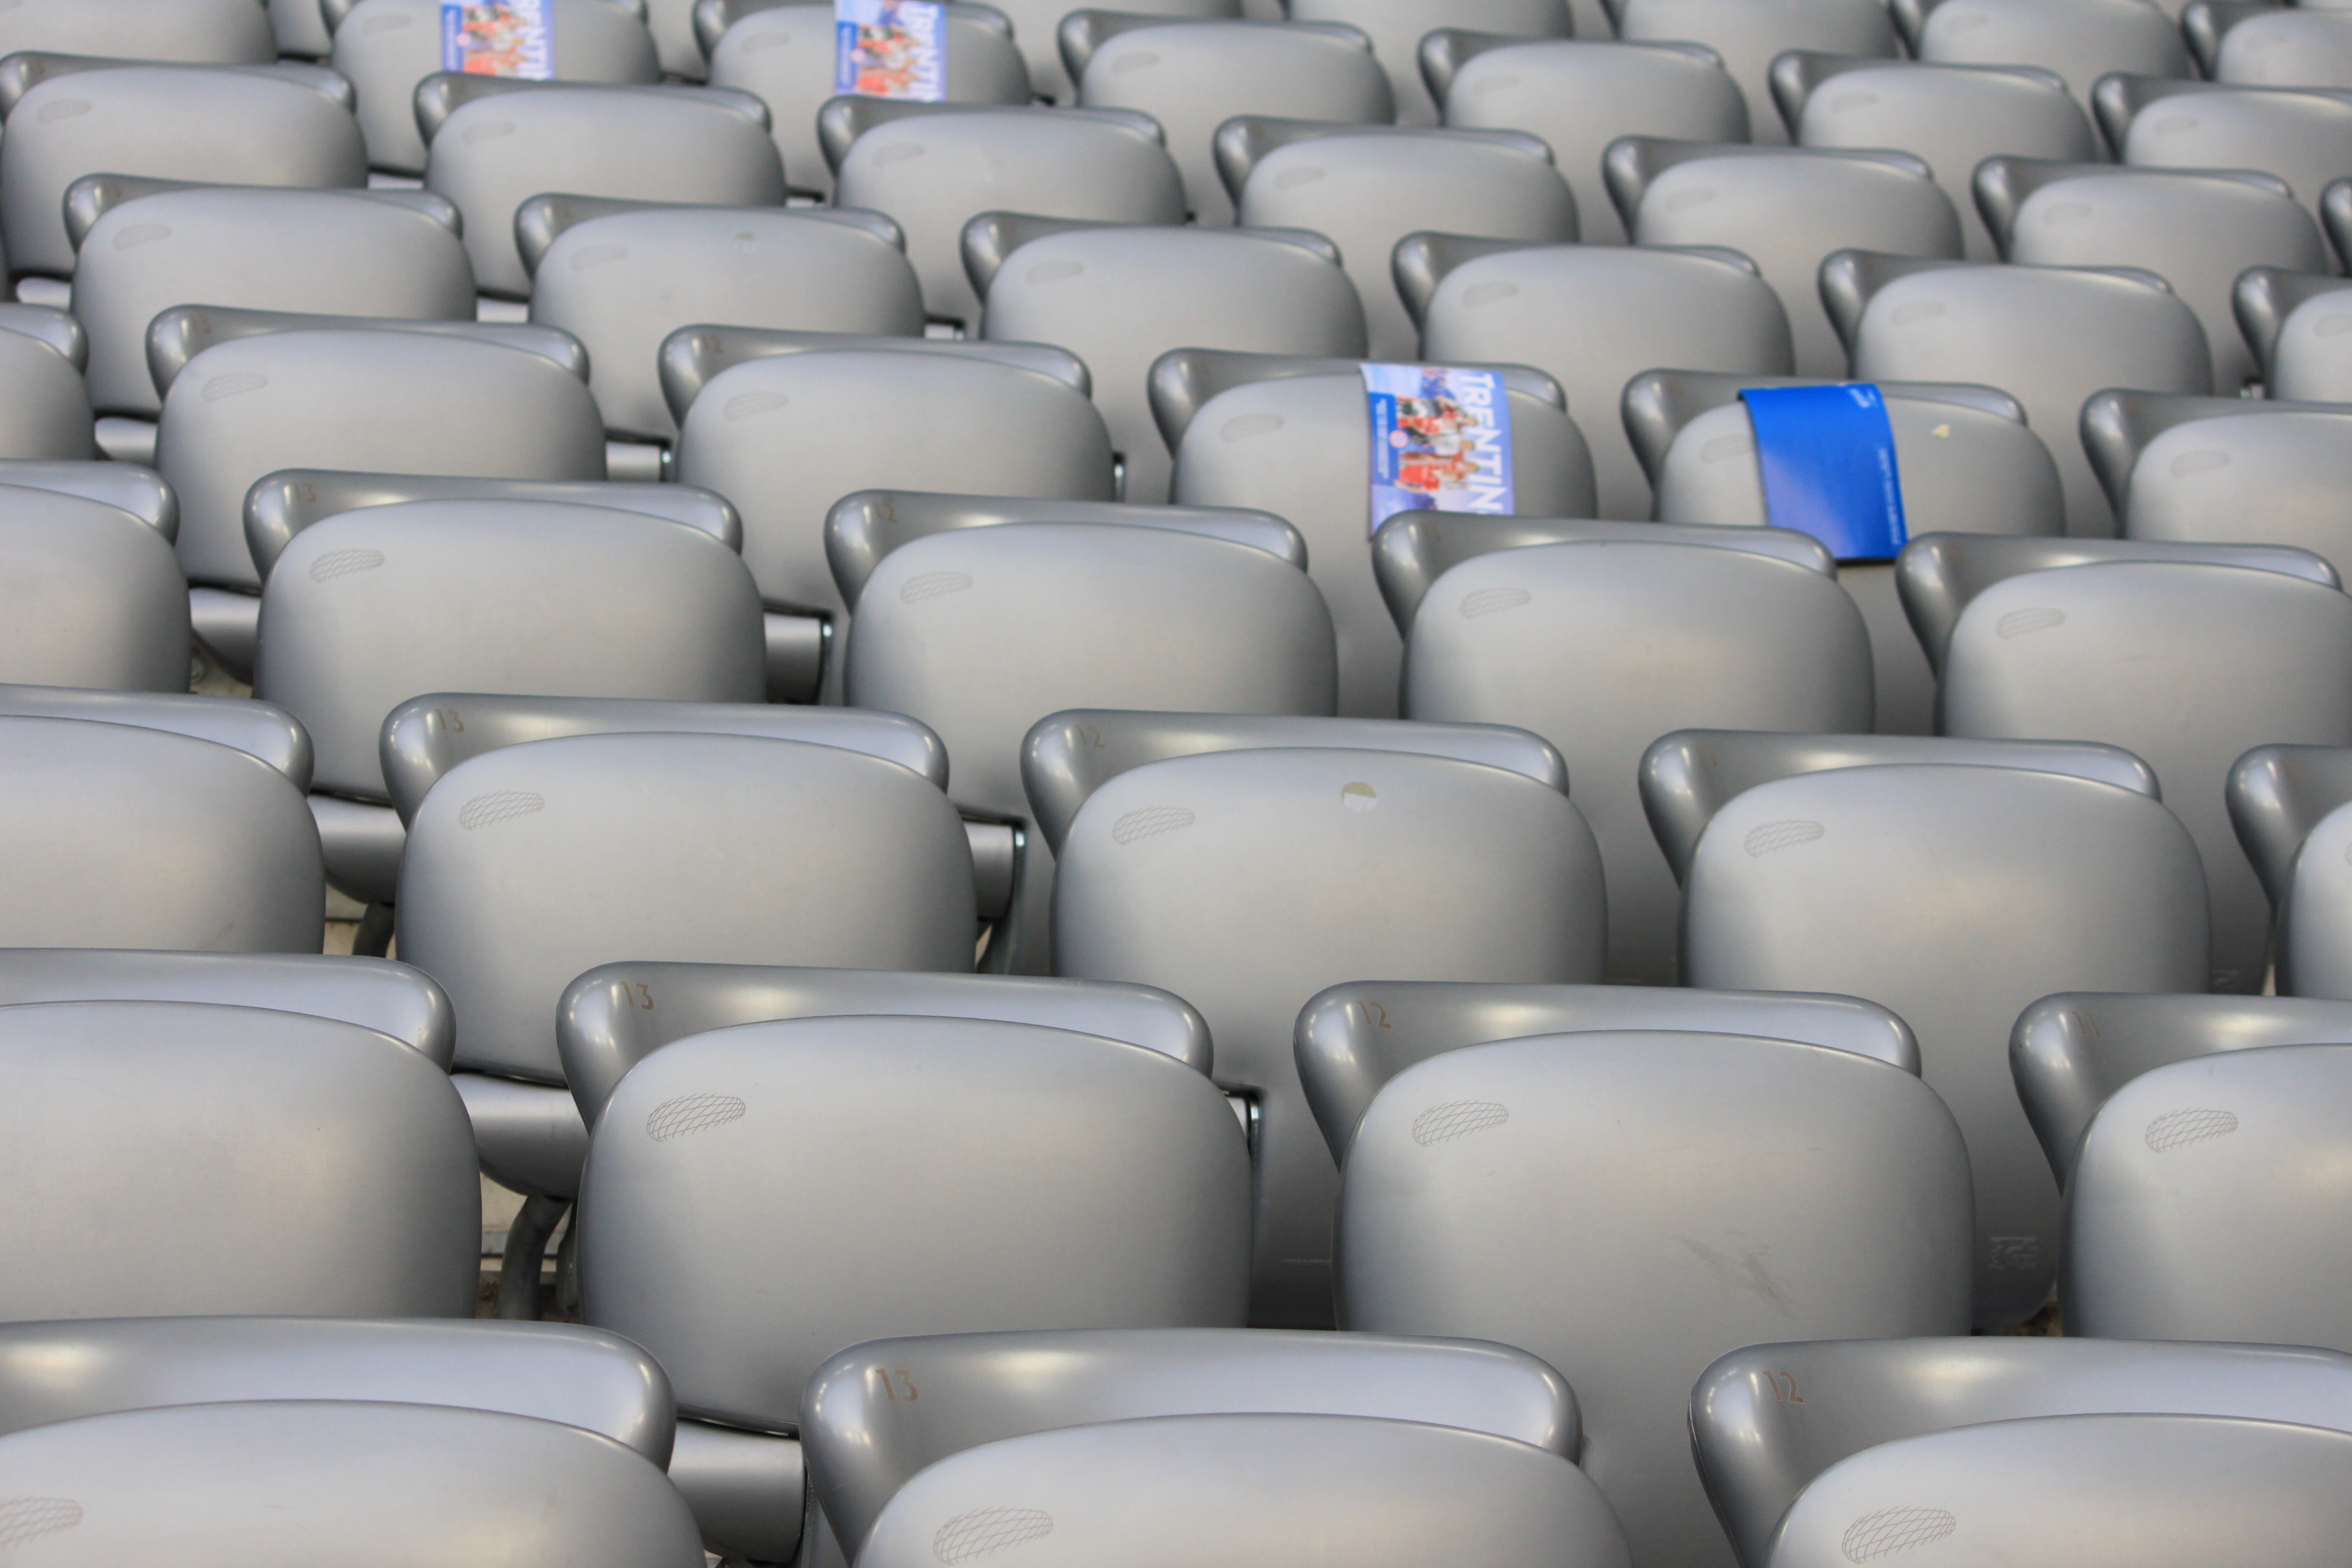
column 337, row 564
column 1148, row 822
column 2179, row 1129
column 1457, row 1119
column 23, row 1518
column 2025, row 623
column 932, row 585
column 1894, row 1530
column 1787, row 835
column 499, row 805
column 235, row 382
column 986, row 1531
column 692, row 1113
column 1487, row 601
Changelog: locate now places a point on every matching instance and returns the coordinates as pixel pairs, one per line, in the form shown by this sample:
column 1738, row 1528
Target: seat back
column 1214, row 875
column 2304, row 361
column 89, row 597
column 2302, row 138
column 1538, row 638
column 45, row 416
column 274, row 1483
column 1767, row 1420
column 1397, row 30
column 270, row 734
column 2077, row 40
column 2286, row 48
column 1835, row 1195
column 1285, row 1485
column 1290, row 436
column 1954, row 896
column 861, row 1170
column 1037, row 26
column 123, row 836
column 209, row 30
column 352, row 1193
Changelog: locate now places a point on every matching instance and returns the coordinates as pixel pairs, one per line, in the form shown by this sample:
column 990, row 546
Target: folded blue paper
column 1828, row 457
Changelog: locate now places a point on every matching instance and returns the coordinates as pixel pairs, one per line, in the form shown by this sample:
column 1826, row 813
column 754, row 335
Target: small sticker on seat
column 497, row 37
column 891, row 49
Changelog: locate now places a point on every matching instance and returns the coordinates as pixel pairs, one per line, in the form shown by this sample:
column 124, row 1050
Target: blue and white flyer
column 891, row 49
column 1828, row 458
column 1441, row 440
column 497, row 37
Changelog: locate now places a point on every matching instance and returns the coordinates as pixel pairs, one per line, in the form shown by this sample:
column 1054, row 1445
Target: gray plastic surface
column 1750, row 37
column 89, row 597
column 270, row 733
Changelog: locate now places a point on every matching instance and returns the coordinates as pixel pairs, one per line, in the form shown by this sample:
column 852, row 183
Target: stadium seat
column 1746, row 38
column 2302, row 138
column 1037, row 26
column 2283, row 801
column 2292, row 321
column 1397, row 28
column 1203, row 853
column 1537, row 635
column 1786, row 209
column 1194, row 76
column 2050, row 337
column 1592, row 318
column 979, row 616
column 1120, row 297
column 1953, row 881
column 1290, row 436
column 127, row 487
column 2145, row 646
column 2275, row 46
column 2164, row 1490
column 89, row 596
column 372, row 992
column 1835, row 1197
column 269, row 735
column 46, row 415
column 2077, row 40
column 191, row 31
column 1580, row 97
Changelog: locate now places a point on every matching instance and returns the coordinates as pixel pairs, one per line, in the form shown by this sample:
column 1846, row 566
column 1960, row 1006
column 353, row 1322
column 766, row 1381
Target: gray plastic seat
column 1194, row 76
column 1833, row 1194
column 2145, row 646
column 935, row 167
column 1397, row 28
column 206, row 30
column 385, row 48
column 2301, row 137
column 1964, row 458
column 758, row 1198
column 1367, row 188
column 1787, row 209
column 864, row 1445
column 1289, row 437
column 331, row 253
column 1036, row 26
column 269, row 735
column 623, row 281
column 494, row 148
column 281, row 126
column 1748, row 36
column 2199, row 1207
column 1248, row 863
column 274, row 1484
column 332, row 395
column 2079, row 40
column 1767, row 1420
column 979, row 616
column 1542, row 637
column 2306, row 47
column 2285, row 802
column 2293, row 322
column 1280, row 1488
column 2071, row 1051
column 1953, row 881
column 793, row 422
column 2050, row 337
column 45, row 416
column 785, row 57
column 2165, row 1491
column 129, row 487
column 1578, row 97
column 1592, row 318
column 352, row 1193
column 130, row 836
column 1121, row 298
column 2197, row 230
column 89, row 596
column 1951, row 117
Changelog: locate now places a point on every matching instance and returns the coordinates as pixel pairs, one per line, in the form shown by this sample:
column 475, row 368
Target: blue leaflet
column 1828, row 457
column 1440, row 439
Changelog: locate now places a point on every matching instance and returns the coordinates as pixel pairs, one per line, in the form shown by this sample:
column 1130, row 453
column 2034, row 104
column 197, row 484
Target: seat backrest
column 2234, row 471
column 270, row 734
column 2184, row 1219
column 1037, row 26
column 1537, row 638
column 2287, row 49
column 208, row 30
column 731, row 873
column 134, row 488
column 1290, row 436
column 1954, row 896
column 2071, row 1051
column 1194, row 76
column 89, row 597
column 45, row 416
column 368, row 609
column 1835, row 1195
column 1366, row 188
column 867, row 1437
column 1252, row 845
column 334, row 253
column 1594, row 316
column 2303, row 360
column 623, row 282
column 2079, row 40
column 1766, row 1420
column 271, row 1484
column 2302, row 137
column 862, row 1169
column 2278, row 797
column 2050, row 337
column 2165, row 1491
column 352, row 1193
column 1384, row 1492
column 1578, row 97
column 124, row 837
column 499, row 147
column 276, row 127
column 359, row 400
column 1747, row 39
column 556, row 1372
column 1355, row 1037
column 1397, row 32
